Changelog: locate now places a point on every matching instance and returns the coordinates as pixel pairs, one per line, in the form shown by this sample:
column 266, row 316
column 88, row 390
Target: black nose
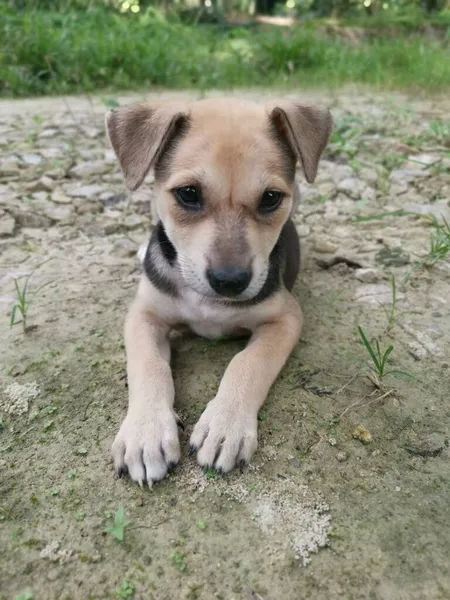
column 229, row 282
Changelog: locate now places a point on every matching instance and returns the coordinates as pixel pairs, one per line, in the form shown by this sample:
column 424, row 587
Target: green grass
column 45, row 52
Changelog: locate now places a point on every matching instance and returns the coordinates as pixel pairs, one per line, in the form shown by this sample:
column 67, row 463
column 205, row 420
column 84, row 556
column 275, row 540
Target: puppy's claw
column 118, row 473
column 192, row 450
column 241, row 465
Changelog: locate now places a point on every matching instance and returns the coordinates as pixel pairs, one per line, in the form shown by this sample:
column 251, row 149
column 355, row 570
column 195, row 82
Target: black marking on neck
column 160, row 250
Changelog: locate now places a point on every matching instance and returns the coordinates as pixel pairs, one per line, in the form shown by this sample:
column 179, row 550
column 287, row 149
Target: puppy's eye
column 189, row 197
column 270, row 201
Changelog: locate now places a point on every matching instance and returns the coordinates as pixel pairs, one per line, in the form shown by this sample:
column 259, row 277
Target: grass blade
column 368, row 347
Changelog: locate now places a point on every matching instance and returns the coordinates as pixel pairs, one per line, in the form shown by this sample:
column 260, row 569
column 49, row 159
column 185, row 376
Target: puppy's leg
column 226, row 434
column 147, row 444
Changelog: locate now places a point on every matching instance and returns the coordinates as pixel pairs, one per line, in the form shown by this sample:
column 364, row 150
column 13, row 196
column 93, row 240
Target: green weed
column 379, row 358
column 125, row 590
column 117, row 530
column 439, row 246
column 24, row 596
column 24, row 298
column 178, row 562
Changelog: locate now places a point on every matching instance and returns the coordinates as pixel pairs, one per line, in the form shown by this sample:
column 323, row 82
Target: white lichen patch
column 17, row 397
column 296, row 513
column 53, row 553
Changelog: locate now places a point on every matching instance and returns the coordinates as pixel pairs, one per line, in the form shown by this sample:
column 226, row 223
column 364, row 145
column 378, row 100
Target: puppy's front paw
column 225, row 436
column 147, row 446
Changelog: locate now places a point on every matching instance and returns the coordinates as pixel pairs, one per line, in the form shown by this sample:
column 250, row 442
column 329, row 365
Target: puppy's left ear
column 140, row 134
column 307, row 130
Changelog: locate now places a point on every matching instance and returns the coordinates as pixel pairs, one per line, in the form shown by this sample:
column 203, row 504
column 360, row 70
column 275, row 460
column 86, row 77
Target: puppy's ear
column 139, row 134
column 306, row 129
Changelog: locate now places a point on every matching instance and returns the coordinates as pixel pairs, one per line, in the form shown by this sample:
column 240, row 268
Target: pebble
column 9, row 169
column 59, row 197
column 124, row 248
column 341, row 456
column 86, row 191
column 44, row 184
column 362, row 434
column 376, row 293
column 352, row 187
column 60, row 214
column 427, row 446
column 324, row 246
column 392, row 257
column 367, row 275
column 7, row 225
column 32, row 159
column 87, row 169
column 303, row 230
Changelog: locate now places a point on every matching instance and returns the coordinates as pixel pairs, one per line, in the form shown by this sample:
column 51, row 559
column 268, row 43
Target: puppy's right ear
column 139, row 134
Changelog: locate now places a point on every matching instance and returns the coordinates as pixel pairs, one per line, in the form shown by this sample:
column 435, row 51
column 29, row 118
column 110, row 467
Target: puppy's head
column 224, row 178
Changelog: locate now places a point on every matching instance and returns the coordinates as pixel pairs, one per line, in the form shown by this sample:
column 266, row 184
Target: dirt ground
column 318, row 514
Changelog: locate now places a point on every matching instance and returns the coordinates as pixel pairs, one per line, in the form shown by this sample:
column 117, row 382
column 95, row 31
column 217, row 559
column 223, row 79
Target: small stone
column 87, row 169
column 44, row 184
column 370, row 175
column 341, row 456
column 9, row 169
column 86, row 191
column 303, row 230
column 89, row 208
column 296, row 464
column 7, row 226
column 392, row 257
column 376, row 293
column 352, row 187
column 110, row 157
column 362, row 434
column 324, row 246
column 111, row 226
column 60, row 213
column 417, row 351
column 332, row 441
column 90, row 132
column 48, row 132
column 135, row 221
column 59, row 197
column 428, row 446
column 32, row 159
column 398, row 188
column 424, row 160
column 108, row 199
column 33, row 220
column 367, row 275
column 124, row 248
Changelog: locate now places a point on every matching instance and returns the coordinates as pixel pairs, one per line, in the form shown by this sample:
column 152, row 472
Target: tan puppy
column 222, row 259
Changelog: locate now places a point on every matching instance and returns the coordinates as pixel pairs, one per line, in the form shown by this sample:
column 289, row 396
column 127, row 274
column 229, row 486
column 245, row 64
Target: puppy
column 222, row 259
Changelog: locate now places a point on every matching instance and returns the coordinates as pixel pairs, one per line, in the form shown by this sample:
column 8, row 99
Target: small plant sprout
column 379, row 358
column 391, row 312
column 120, row 523
column 24, row 298
column 125, row 590
column 439, row 248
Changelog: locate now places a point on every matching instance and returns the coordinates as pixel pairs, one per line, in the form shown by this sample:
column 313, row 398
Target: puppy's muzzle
column 229, row 281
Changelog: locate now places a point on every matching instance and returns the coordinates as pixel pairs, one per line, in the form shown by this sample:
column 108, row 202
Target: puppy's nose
column 229, row 282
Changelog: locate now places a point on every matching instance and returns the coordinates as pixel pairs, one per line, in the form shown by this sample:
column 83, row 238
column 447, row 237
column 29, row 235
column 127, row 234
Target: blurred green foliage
column 69, row 46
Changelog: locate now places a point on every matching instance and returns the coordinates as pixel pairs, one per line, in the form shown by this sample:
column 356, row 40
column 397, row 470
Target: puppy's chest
column 208, row 319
